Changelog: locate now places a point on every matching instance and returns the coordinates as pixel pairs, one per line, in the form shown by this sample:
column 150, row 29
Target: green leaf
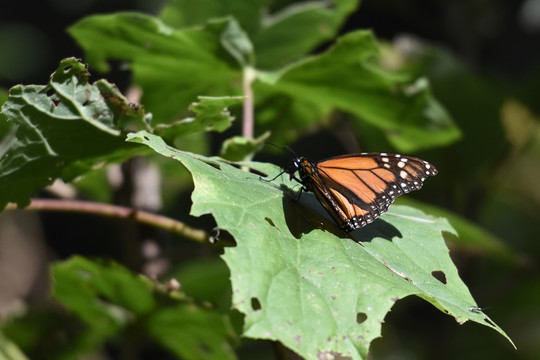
column 239, row 148
column 79, row 283
column 300, row 280
column 105, row 297
column 296, row 30
column 60, row 130
column 348, row 77
column 37, row 333
column 284, row 35
column 236, row 41
column 211, row 114
column 109, row 298
column 184, row 13
column 3, row 95
column 172, row 66
column 192, row 333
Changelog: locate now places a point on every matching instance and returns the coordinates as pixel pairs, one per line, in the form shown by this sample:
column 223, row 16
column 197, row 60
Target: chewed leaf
column 61, row 129
column 301, row 281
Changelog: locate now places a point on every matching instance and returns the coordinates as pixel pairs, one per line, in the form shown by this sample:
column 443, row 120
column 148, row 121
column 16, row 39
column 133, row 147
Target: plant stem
column 118, row 212
column 248, row 118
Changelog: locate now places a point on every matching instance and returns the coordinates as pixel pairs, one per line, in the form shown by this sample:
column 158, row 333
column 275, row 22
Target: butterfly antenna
column 283, row 148
column 285, row 170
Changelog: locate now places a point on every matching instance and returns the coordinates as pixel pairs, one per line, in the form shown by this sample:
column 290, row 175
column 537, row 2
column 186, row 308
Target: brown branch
column 118, row 212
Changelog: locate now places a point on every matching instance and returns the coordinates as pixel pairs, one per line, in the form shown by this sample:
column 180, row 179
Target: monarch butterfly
column 356, row 189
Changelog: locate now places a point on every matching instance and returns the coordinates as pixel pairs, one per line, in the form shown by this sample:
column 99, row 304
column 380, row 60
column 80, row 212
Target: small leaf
column 211, row 114
column 239, row 148
column 300, row 280
column 60, row 130
column 237, row 42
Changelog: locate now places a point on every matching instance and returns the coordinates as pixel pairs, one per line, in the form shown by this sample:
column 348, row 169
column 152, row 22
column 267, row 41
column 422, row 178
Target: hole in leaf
column 439, row 275
column 255, row 304
column 361, row 317
column 51, row 94
column 271, row 222
column 67, row 69
column 490, row 322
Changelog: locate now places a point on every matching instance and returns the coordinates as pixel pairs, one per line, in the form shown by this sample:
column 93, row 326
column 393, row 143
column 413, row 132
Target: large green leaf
column 279, row 35
column 184, row 13
column 301, row 281
column 296, row 30
column 172, row 66
column 62, row 129
column 349, row 78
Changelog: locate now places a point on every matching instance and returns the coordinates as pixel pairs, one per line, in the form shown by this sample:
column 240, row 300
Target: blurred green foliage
column 460, row 89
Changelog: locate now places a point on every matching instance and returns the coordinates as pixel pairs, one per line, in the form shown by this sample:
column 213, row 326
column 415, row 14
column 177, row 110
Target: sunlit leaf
column 300, row 280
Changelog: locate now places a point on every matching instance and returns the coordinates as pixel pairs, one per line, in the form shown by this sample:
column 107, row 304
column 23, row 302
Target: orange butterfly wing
column 358, row 188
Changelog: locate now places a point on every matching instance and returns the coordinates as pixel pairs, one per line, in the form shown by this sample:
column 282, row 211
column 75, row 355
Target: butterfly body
column 356, row 189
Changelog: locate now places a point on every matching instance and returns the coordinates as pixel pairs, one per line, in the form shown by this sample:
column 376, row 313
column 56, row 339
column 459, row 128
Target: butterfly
column 356, row 189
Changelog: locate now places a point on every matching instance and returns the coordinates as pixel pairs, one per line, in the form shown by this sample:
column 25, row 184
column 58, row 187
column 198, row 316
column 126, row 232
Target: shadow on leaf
column 307, row 214
column 377, row 229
